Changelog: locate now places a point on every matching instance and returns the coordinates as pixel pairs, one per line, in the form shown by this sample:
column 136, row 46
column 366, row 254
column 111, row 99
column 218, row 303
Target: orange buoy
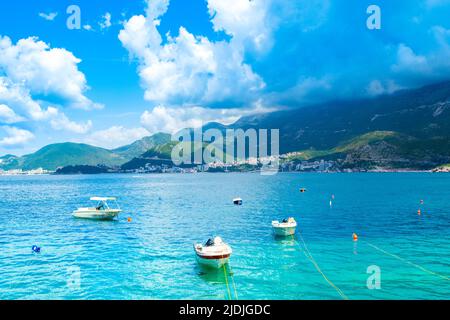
column 129, row 219
column 355, row 237
column 419, row 212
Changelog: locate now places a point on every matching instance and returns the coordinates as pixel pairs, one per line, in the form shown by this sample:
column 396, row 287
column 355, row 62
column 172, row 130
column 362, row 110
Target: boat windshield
column 209, row 243
column 104, row 205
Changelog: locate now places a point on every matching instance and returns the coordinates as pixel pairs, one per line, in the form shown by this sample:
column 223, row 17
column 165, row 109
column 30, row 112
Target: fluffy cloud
column 106, row 23
column 45, row 71
column 248, row 22
column 16, row 105
column 191, row 70
column 442, row 37
column 18, row 98
column 376, row 87
column 412, row 68
column 62, row 122
column 31, row 68
column 14, row 136
column 7, row 115
column 188, row 69
column 115, row 136
column 166, row 119
column 48, row 16
column 407, row 60
column 163, row 119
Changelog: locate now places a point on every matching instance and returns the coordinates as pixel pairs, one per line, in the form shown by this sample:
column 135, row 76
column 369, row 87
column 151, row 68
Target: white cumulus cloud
column 115, row 136
column 13, row 137
column 17, row 105
column 62, row 122
column 30, row 69
column 408, row 60
column 18, row 98
column 7, row 115
column 246, row 21
column 45, row 71
column 170, row 120
column 431, row 65
column 187, row 69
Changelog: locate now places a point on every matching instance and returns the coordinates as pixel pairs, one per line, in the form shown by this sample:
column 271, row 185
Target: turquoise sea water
column 152, row 256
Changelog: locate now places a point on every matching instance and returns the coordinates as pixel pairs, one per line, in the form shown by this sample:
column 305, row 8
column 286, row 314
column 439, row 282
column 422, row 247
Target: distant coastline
column 315, row 138
column 176, row 170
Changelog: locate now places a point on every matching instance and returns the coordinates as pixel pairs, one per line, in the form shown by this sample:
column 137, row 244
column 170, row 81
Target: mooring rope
column 313, row 261
column 226, row 282
column 407, row 261
column 232, row 281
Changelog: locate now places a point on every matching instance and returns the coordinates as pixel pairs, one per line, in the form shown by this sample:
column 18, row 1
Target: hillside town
column 18, row 172
column 237, row 166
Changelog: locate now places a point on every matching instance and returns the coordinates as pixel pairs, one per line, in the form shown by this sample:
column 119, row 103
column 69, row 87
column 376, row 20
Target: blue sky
column 139, row 67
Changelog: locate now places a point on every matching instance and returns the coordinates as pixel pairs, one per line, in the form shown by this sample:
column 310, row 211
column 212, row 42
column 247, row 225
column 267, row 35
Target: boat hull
column 213, row 261
column 283, row 231
column 96, row 215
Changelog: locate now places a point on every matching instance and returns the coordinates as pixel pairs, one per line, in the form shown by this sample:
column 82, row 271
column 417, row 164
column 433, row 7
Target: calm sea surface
column 152, row 256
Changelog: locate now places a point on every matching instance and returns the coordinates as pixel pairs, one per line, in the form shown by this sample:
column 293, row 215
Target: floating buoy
column 419, row 212
column 129, row 219
column 35, row 249
column 355, row 237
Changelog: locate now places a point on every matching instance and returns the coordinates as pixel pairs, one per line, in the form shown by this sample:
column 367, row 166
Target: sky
column 134, row 68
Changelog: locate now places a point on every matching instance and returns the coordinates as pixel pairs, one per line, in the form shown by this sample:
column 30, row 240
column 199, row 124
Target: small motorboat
column 102, row 211
column 214, row 253
column 237, row 201
column 285, row 227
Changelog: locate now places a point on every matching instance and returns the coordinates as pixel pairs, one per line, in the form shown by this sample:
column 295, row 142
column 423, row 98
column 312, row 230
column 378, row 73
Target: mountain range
column 406, row 129
column 422, row 113
column 69, row 154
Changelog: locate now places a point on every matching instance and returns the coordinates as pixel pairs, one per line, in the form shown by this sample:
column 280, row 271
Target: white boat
column 102, row 211
column 237, row 201
column 285, row 227
column 214, row 253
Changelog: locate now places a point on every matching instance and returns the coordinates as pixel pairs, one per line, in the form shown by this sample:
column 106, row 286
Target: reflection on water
column 285, row 241
column 213, row 275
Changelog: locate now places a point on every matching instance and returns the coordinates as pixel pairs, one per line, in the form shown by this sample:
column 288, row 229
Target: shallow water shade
column 152, row 256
